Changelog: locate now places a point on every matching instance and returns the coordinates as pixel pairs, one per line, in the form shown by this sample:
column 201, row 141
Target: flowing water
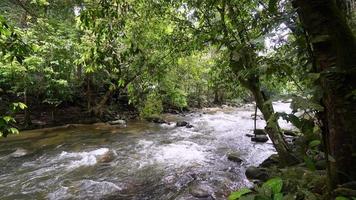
column 140, row 161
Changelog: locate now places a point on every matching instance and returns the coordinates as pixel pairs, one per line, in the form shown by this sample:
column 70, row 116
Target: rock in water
column 256, row 173
column 259, row 138
column 270, row 161
column 259, row 132
column 234, row 156
column 182, row 123
column 20, row 152
column 118, row 122
column 249, row 135
column 201, row 190
column 105, row 158
column 189, row 126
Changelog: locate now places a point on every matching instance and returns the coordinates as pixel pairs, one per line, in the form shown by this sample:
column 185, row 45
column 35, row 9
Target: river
column 145, row 160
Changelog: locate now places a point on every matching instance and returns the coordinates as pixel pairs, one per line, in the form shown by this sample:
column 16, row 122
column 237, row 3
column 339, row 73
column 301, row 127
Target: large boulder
column 257, row 173
column 259, row 138
column 270, row 161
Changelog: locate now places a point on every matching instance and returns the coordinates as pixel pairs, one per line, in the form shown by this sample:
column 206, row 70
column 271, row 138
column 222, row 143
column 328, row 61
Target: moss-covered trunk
column 264, row 104
column 334, row 50
column 273, row 130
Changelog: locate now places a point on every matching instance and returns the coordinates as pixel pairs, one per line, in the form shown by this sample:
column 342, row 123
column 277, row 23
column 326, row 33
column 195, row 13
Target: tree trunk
column 272, row 128
column 334, row 49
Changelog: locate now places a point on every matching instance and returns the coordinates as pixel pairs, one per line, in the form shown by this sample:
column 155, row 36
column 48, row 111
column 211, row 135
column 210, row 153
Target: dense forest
column 89, row 61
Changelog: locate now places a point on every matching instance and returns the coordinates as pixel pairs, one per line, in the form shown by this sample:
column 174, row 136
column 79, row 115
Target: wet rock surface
column 182, row 123
column 201, row 190
column 257, row 173
column 270, row 161
column 259, row 138
column 20, row 152
column 234, row 156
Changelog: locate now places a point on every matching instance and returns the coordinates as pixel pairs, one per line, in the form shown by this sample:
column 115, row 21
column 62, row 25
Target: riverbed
column 140, row 161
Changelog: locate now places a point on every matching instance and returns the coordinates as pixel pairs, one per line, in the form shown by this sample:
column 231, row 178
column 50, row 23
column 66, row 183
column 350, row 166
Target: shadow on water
column 140, row 161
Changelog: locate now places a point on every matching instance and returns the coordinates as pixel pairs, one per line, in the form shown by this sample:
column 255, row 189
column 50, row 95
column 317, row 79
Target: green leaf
column 278, row 196
column 8, row 119
column 238, row 194
column 275, row 184
column 13, row 130
column 314, row 143
column 22, row 106
column 341, row 198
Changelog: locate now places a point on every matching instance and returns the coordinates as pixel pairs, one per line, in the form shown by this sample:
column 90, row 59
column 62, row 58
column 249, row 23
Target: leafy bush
column 152, row 106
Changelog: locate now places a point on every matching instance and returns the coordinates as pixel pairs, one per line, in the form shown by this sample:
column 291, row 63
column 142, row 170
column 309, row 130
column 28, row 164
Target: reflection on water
column 140, row 161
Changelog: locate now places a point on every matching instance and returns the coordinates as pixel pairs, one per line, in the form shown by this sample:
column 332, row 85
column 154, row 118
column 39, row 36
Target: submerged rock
column 259, row 138
column 20, row 152
column 234, row 156
column 201, row 190
column 256, row 173
column 118, row 122
column 105, row 158
column 182, row 123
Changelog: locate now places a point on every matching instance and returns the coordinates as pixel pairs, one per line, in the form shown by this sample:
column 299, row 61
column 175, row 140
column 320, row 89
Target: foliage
column 7, row 121
column 270, row 190
column 152, row 106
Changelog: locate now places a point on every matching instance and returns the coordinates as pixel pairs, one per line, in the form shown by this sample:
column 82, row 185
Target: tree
column 334, row 49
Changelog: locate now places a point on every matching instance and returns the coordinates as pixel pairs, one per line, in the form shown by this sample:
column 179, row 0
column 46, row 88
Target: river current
column 140, row 161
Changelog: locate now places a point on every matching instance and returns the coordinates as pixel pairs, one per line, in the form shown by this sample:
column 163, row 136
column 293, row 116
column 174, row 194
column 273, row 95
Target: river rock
column 118, row 122
column 20, row 152
column 189, row 126
column 106, row 158
column 234, row 156
column 259, row 132
column 256, row 173
column 182, row 123
column 259, row 138
column 201, row 190
column 270, row 161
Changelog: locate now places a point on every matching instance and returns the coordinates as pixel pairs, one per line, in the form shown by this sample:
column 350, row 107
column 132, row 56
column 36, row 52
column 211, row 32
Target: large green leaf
column 238, row 194
column 275, row 184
